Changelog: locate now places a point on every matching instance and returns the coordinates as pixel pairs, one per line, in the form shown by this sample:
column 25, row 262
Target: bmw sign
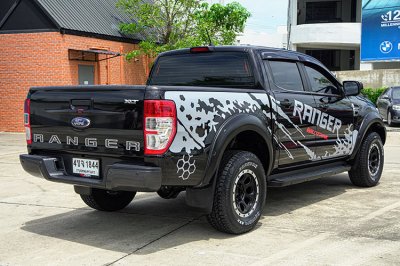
column 380, row 30
column 386, row 47
column 80, row 122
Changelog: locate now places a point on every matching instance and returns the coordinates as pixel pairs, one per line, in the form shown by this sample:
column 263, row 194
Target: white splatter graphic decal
column 200, row 113
column 279, row 143
column 279, row 111
column 185, row 167
column 313, row 156
column 344, row 146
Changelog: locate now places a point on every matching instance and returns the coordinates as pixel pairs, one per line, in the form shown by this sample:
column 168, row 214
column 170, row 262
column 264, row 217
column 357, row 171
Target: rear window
column 217, row 69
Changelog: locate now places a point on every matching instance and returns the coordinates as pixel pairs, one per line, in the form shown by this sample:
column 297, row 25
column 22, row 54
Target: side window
column 286, row 75
column 386, row 93
column 395, row 95
column 320, row 83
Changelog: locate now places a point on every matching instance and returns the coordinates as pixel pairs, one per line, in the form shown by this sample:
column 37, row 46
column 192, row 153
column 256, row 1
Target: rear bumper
column 116, row 177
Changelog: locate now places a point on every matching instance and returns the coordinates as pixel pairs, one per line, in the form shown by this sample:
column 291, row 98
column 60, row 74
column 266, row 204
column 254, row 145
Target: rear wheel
column 107, row 200
column 239, row 194
column 368, row 166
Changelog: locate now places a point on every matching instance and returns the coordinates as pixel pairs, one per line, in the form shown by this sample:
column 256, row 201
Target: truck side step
column 307, row 174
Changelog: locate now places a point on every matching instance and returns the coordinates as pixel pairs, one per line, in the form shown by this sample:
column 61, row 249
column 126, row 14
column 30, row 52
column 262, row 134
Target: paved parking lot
column 326, row 221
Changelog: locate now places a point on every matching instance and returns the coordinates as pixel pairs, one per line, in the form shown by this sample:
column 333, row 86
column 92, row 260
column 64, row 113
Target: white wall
column 327, row 35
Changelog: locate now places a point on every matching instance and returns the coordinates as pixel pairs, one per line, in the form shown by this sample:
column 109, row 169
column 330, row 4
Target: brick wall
column 41, row 59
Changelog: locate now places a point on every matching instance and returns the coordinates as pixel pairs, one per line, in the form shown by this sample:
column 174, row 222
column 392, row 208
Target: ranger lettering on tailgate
column 88, row 142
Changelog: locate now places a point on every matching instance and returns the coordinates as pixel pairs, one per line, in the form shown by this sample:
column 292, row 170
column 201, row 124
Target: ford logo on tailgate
column 80, row 122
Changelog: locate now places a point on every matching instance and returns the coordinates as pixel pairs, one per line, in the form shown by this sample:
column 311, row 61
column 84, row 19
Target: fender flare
column 370, row 119
column 228, row 131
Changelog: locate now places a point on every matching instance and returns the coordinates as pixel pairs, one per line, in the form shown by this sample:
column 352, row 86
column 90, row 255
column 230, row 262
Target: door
column 335, row 132
column 383, row 103
column 292, row 107
column 86, row 75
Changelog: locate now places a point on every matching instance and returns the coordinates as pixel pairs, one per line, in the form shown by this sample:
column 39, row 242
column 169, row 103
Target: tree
column 172, row 24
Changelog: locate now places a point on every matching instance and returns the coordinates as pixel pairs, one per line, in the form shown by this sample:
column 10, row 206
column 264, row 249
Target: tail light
column 159, row 126
column 27, row 121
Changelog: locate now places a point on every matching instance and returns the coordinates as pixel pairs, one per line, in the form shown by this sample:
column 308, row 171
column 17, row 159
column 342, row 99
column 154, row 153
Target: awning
column 90, row 55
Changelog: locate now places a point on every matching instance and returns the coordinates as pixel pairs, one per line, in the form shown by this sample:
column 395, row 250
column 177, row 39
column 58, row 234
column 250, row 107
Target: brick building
column 56, row 42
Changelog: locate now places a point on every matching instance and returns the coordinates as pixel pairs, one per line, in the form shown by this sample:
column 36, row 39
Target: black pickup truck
column 221, row 123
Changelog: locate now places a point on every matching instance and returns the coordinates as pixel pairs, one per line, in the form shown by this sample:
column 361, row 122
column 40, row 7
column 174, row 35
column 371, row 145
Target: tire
column 368, row 166
column 106, row 200
column 389, row 119
column 168, row 192
column 240, row 193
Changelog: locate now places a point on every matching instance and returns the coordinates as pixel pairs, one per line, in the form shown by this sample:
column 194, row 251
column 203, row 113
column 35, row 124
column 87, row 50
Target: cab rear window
column 215, row 69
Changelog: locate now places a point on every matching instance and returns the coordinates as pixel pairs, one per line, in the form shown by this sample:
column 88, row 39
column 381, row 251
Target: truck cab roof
column 267, row 53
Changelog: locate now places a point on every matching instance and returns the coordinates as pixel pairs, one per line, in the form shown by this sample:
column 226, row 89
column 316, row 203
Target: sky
column 261, row 27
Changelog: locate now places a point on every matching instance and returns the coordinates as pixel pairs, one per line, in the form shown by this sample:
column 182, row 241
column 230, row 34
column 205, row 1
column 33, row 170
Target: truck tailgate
column 104, row 120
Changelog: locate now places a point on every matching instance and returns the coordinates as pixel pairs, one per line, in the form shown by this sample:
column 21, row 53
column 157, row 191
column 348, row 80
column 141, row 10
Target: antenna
column 209, row 38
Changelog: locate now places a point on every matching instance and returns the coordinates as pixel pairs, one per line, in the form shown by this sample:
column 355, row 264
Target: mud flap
column 201, row 198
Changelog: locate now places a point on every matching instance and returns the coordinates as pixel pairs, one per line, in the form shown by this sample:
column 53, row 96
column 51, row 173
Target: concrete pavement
column 326, row 221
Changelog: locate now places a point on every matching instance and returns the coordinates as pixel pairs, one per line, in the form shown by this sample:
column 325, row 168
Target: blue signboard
column 380, row 38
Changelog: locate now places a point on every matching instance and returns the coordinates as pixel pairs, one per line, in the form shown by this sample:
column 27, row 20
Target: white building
column 330, row 30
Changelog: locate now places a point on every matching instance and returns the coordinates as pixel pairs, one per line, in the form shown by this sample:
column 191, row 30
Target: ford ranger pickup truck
column 221, row 123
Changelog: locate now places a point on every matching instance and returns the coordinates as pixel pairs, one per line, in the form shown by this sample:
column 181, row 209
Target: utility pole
column 289, row 26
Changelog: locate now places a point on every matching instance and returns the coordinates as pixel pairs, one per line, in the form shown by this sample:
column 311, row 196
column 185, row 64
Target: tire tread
column 359, row 173
column 218, row 218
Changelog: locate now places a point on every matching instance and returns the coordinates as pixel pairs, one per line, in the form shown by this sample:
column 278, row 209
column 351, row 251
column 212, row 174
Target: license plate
column 85, row 167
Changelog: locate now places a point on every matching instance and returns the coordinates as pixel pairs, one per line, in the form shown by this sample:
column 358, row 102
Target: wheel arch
column 231, row 136
column 371, row 123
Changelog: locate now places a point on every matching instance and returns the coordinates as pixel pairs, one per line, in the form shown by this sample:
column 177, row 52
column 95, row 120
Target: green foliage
column 373, row 93
column 222, row 23
column 173, row 24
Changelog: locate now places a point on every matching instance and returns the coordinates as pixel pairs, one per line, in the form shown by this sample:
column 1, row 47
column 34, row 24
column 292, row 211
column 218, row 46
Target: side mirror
column 352, row 88
column 385, row 97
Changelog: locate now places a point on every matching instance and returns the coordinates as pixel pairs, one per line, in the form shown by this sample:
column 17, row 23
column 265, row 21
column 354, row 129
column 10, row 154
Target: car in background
column 389, row 105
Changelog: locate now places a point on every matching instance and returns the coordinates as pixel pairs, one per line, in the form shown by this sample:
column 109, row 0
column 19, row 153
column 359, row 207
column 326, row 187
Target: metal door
column 86, row 75
column 292, row 107
column 383, row 103
column 336, row 134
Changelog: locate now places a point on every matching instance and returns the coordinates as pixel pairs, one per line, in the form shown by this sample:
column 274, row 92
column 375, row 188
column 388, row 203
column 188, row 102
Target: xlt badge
column 130, row 101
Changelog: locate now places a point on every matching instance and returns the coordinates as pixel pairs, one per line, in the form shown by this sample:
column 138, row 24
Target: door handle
column 323, row 106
